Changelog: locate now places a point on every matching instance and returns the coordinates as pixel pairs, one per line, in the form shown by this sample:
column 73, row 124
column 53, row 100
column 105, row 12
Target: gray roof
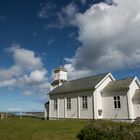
column 56, row 82
column 118, row 85
column 136, row 97
column 86, row 83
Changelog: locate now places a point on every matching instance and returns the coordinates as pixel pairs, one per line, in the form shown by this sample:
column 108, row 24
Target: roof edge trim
column 137, row 81
column 109, row 74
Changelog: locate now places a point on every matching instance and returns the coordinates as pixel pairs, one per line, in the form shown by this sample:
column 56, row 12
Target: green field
column 36, row 129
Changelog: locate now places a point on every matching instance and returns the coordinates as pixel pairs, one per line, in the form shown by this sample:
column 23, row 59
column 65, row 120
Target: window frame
column 55, row 104
column 68, row 103
column 117, row 102
column 84, row 102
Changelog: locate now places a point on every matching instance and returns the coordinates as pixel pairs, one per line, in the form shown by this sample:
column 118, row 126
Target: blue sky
column 91, row 36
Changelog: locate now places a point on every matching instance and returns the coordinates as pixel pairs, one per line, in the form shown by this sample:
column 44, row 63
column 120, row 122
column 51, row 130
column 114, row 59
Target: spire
column 60, row 64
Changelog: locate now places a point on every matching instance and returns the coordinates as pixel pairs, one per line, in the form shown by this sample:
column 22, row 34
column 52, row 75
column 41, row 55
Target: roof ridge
column 89, row 76
column 80, row 84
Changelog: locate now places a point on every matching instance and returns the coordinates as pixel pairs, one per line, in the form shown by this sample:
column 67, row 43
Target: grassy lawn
column 35, row 129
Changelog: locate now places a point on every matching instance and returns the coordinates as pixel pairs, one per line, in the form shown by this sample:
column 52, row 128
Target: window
column 68, row 103
column 55, row 104
column 117, row 103
column 84, row 102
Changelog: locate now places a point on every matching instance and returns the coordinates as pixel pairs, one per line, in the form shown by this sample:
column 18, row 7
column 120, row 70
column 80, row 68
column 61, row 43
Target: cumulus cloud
column 34, row 78
column 73, row 73
column 13, row 71
column 25, row 58
column 109, row 34
column 110, row 37
column 27, row 73
column 38, row 75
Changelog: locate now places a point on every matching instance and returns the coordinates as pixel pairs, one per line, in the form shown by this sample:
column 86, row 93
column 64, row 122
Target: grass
column 36, row 129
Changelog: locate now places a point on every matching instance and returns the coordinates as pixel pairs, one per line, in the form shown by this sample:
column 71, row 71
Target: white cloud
column 27, row 93
column 36, row 77
column 24, row 61
column 27, row 73
column 74, row 74
column 46, row 10
column 13, row 71
column 137, row 18
column 8, row 83
column 25, row 58
column 70, row 10
column 62, row 18
column 110, row 37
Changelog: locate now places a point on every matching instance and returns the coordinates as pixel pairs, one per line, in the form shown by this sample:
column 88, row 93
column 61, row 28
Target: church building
column 95, row 97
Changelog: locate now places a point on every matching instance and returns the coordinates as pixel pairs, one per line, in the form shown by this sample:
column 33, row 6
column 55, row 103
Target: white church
column 95, row 97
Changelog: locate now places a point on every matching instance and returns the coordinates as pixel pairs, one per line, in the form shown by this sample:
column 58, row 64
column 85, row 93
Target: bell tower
column 60, row 76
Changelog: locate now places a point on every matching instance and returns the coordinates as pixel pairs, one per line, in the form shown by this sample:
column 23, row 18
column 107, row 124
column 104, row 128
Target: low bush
column 109, row 130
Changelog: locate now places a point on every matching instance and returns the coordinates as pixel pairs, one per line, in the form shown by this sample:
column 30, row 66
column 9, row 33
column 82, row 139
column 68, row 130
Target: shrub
column 108, row 130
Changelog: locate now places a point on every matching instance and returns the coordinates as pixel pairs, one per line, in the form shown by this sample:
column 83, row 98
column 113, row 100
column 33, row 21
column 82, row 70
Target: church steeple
column 60, row 76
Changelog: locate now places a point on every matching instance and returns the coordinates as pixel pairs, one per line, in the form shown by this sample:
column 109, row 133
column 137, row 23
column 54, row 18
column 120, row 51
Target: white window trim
column 55, row 104
column 84, row 103
column 68, row 103
column 118, row 102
